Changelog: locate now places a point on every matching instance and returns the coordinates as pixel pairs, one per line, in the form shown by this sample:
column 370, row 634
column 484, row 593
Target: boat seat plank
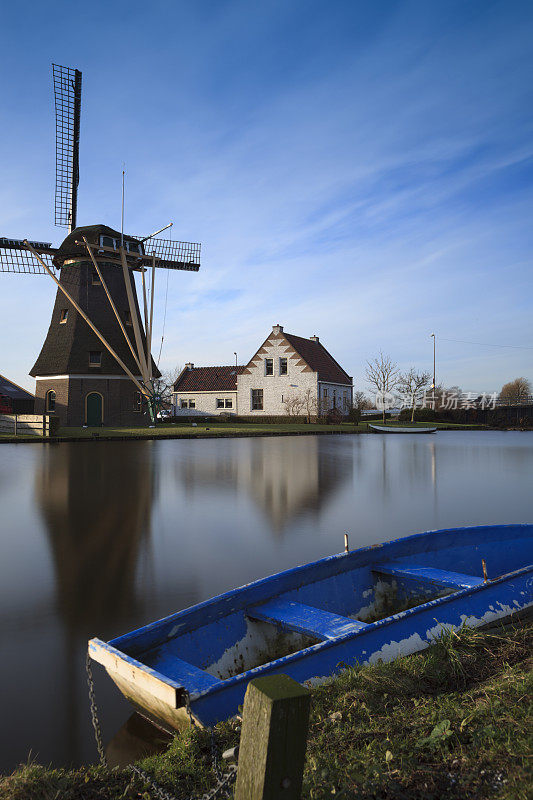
column 187, row 675
column 443, row 577
column 304, row 619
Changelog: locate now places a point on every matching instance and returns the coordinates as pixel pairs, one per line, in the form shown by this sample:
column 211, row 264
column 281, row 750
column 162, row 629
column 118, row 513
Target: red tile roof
column 208, row 379
column 318, row 358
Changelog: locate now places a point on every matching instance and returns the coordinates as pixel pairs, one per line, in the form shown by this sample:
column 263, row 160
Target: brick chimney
column 314, row 338
column 277, row 328
column 189, row 365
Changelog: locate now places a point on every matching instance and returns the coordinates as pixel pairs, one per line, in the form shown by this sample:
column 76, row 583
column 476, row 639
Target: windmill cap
column 69, row 248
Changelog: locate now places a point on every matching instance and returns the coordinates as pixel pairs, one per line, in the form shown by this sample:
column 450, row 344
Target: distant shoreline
column 224, row 431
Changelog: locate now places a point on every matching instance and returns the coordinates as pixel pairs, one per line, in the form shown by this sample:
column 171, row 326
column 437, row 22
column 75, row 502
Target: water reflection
column 97, row 516
column 284, row 482
column 100, row 538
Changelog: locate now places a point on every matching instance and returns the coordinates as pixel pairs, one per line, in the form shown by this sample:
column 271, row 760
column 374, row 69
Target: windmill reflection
column 97, row 512
column 286, row 478
column 96, row 506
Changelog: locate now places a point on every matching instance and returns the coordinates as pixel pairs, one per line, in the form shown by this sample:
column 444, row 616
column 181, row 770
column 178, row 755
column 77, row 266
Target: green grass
column 453, row 722
column 214, row 429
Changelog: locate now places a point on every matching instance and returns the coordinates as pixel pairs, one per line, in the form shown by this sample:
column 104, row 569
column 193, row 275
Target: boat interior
column 338, row 596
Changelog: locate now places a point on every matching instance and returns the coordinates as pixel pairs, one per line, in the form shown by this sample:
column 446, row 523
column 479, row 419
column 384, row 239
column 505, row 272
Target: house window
column 269, row 366
column 63, row 316
column 283, row 366
column 228, row 403
column 137, row 401
column 220, row 403
column 50, row 400
column 257, row 399
column 192, row 403
column 95, row 279
column 325, row 392
column 95, row 358
column 187, row 403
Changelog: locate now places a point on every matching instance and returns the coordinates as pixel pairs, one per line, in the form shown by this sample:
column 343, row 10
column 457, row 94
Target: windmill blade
column 15, row 257
column 173, row 255
column 67, row 94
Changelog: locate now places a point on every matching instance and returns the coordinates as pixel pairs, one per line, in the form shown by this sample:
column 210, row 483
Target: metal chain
column 94, row 714
column 224, row 783
column 224, row 780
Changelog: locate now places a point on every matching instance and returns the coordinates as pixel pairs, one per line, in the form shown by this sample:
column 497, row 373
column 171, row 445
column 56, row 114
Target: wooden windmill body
column 95, row 366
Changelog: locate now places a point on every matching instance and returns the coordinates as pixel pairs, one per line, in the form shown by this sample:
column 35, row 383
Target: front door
column 94, row 409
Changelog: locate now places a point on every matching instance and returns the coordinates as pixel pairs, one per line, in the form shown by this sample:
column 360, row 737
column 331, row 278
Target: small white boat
column 398, row 429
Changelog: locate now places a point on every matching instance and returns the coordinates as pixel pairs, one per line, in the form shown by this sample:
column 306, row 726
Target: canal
column 100, row 538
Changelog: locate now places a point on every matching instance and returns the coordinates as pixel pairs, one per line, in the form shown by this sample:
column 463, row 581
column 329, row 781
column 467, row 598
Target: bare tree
column 413, row 384
column 382, row 374
column 310, row 404
column 293, row 405
column 164, row 385
column 361, row 402
column 515, row 391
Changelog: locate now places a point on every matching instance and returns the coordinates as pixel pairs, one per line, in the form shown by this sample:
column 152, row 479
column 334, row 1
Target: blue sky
column 357, row 170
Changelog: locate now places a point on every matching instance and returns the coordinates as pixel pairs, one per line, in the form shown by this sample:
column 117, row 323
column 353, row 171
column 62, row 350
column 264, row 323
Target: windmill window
column 108, row 241
column 128, row 318
column 137, row 401
column 95, row 358
column 283, row 366
column 63, row 316
column 50, row 400
column 95, row 278
column 269, row 366
column 132, row 247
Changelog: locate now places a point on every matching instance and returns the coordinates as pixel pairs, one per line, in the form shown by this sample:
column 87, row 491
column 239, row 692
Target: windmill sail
column 171, row 254
column 67, row 93
column 15, row 257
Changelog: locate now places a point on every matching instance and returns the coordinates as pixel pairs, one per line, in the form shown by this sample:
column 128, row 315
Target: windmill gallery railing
column 27, row 425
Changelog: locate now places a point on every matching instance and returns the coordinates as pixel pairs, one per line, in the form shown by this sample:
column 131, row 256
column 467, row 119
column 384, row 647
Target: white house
column 287, row 374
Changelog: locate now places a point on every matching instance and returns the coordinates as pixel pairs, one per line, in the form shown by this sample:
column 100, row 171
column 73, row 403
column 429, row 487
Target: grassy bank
column 218, row 429
column 453, row 722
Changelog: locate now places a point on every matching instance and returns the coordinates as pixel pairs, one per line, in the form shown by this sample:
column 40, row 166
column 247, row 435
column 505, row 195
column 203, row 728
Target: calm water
column 99, row 538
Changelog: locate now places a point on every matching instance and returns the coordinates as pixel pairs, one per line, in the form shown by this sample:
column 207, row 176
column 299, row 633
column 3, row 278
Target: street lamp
column 434, row 380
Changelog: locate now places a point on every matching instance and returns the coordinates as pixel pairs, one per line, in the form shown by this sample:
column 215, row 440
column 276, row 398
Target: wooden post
column 273, row 739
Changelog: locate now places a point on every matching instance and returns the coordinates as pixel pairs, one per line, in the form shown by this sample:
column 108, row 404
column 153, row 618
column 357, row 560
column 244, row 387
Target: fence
column 27, row 424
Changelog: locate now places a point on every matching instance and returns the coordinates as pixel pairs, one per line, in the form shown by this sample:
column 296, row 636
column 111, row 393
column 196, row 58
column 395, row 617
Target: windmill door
column 94, row 406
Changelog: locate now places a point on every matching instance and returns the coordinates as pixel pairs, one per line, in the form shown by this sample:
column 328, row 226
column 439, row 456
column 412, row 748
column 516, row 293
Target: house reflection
column 285, row 477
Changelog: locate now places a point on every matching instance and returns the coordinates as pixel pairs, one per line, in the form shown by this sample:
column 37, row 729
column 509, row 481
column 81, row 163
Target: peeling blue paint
column 307, row 621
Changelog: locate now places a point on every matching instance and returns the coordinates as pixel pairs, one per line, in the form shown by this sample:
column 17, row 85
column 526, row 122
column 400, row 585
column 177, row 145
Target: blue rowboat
column 375, row 603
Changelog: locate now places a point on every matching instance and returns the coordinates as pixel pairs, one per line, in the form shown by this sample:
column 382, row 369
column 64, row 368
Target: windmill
column 98, row 343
